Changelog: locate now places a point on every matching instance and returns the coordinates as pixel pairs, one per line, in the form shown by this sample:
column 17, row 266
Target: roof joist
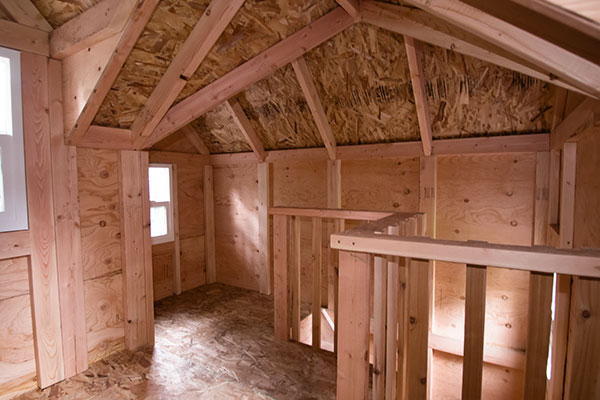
column 25, row 13
column 251, row 72
column 314, row 103
column 205, row 34
column 246, row 128
column 192, row 136
column 351, row 7
column 562, row 63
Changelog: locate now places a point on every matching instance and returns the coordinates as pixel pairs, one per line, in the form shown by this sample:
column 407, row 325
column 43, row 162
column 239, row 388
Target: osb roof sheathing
column 219, row 132
column 257, row 26
column 57, row 12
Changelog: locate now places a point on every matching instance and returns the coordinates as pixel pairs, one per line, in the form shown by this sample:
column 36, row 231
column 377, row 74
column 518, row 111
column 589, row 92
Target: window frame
column 170, row 236
column 15, row 217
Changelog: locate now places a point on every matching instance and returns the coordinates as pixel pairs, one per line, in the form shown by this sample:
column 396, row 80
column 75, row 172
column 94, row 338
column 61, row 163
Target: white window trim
column 170, row 236
column 15, row 217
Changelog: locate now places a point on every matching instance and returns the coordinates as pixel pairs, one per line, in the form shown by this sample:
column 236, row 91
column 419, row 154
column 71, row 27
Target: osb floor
column 214, row 342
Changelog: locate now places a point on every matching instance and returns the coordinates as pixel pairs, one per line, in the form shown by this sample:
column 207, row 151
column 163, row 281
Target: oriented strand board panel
column 17, row 363
column 236, row 225
column 258, row 25
column 57, row 12
column 219, row 132
column 104, row 315
column 176, row 142
column 279, row 113
column 303, row 184
column 99, row 211
column 363, row 81
column 381, row 185
column 470, row 97
column 499, row 383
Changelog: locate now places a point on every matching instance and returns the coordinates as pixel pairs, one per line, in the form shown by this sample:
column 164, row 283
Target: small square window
column 160, row 177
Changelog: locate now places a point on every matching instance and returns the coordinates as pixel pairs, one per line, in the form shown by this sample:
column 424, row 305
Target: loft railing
column 401, row 352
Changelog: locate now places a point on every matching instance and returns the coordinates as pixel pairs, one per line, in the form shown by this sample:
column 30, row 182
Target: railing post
column 418, row 329
column 391, row 344
column 295, row 278
column 379, row 319
column 280, row 283
column 353, row 326
column 317, row 245
column 474, row 332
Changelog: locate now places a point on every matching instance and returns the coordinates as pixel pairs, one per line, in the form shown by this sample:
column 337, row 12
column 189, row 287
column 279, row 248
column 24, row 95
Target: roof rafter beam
column 25, row 13
column 583, row 121
column 82, row 112
column 242, row 122
column 413, row 53
column 351, row 7
column 194, row 50
column 105, row 19
column 251, row 72
column 314, row 103
column 193, row 137
column 574, row 69
column 430, row 29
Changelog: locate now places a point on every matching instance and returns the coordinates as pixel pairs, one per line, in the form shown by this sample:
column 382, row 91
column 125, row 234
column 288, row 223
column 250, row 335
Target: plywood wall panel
column 193, row 272
column 14, row 277
column 381, row 185
column 99, row 211
column 236, row 225
column 104, row 315
column 163, row 267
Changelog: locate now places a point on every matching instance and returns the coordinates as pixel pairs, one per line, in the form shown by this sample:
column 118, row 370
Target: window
column 13, row 195
column 161, row 203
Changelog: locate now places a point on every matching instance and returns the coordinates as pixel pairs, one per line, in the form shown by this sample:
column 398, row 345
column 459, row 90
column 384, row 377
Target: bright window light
column 13, row 195
column 161, row 208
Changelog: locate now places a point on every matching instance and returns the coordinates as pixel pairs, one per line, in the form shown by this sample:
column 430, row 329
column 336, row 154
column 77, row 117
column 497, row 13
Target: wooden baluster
column 403, row 319
column 280, row 284
column 474, row 332
column 340, row 226
column 295, row 278
column 316, row 300
column 379, row 317
column 353, row 329
column 418, row 328
column 391, row 340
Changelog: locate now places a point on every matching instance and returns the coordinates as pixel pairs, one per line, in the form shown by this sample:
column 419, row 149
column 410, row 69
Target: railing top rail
column 528, row 258
column 357, row 215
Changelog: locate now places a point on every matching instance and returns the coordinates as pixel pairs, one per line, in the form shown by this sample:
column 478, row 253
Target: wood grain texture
column 14, row 277
column 418, row 329
column 209, row 224
column 353, row 329
column 264, row 226
column 43, row 266
column 67, row 230
column 15, row 244
column 379, row 326
column 25, row 13
column 23, row 38
column 280, row 279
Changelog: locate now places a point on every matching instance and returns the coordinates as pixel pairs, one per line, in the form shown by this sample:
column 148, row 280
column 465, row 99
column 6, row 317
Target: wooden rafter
column 105, row 19
column 583, row 121
column 572, row 68
column 25, row 13
column 314, row 103
column 429, row 29
column 205, row 34
column 128, row 38
column 351, row 7
column 104, row 137
column 413, row 53
column 192, row 136
column 24, row 38
column 242, row 122
column 251, row 72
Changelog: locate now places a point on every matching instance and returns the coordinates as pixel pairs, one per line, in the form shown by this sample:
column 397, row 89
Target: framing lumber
column 84, row 113
column 67, row 229
column 43, row 268
column 526, row 258
column 582, row 122
column 244, row 125
column 351, row 7
column 295, row 277
column 314, row 103
column 102, row 137
column 136, row 249
column 191, row 134
column 418, row 329
column 542, row 200
column 105, row 19
column 251, row 72
column 480, row 145
column 567, row 195
column 379, row 320
column 427, row 28
column 15, row 244
column 415, row 66
column 281, row 225
column 264, row 228
column 176, row 237
column 356, row 215
column 25, row 13
column 572, row 68
column 334, row 200
column 24, row 38
column 474, row 332
column 549, row 22
column 209, row 225
column 391, row 334
column 194, row 50
column 353, row 326
column 317, row 253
